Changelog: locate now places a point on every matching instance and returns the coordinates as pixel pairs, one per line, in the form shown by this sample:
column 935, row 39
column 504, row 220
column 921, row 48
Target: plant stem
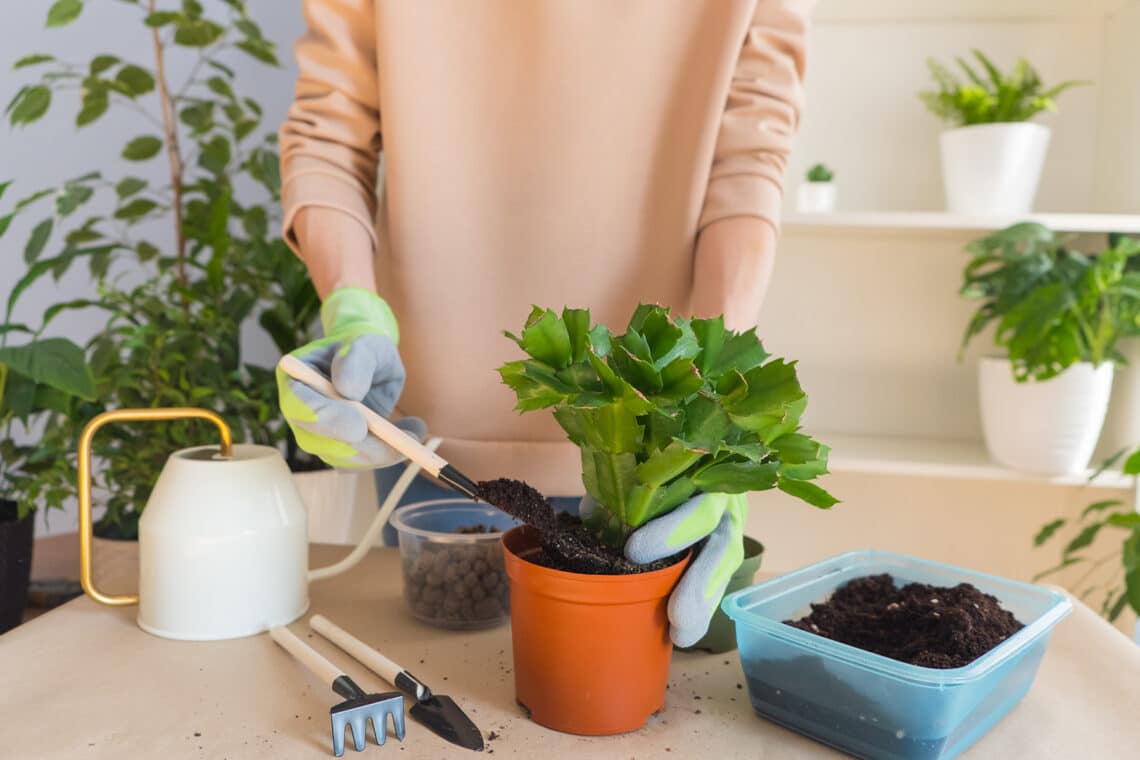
column 172, row 152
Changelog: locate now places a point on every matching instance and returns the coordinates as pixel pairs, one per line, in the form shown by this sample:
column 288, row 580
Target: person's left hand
column 720, row 518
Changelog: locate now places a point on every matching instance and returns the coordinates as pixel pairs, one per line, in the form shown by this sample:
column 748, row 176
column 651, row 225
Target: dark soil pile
column 930, row 626
column 457, row 585
column 468, row 530
column 566, row 543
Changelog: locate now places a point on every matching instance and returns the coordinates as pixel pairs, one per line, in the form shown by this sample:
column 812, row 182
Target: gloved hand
column 358, row 354
column 718, row 516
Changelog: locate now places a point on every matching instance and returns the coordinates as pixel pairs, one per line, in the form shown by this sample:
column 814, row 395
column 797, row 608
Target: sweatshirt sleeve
column 330, row 141
column 761, row 115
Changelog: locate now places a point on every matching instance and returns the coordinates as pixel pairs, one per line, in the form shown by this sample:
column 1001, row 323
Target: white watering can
column 223, row 541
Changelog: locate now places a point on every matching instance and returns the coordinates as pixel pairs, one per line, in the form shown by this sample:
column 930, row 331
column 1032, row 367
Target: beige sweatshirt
column 550, row 152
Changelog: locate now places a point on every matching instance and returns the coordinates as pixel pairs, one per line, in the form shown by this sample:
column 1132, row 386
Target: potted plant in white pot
column 818, row 193
column 1058, row 314
column 993, row 154
column 37, row 378
column 174, row 338
column 669, row 409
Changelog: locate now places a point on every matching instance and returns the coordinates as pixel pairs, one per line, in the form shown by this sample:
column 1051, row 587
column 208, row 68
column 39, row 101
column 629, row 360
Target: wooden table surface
column 83, row 681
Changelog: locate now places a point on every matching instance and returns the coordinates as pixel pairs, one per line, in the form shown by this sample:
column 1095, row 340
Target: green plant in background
column 1116, row 575
column 172, row 339
column 1053, row 306
column 995, row 97
column 669, row 408
column 820, row 173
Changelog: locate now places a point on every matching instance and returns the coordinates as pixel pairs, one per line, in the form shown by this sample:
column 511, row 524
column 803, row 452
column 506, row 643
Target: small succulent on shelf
column 1053, row 306
column 1115, row 575
column 1018, row 95
column 820, row 173
column 172, row 339
column 669, row 408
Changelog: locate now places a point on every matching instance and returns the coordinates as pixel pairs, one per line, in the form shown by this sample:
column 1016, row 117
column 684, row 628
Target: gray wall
column 52, row 150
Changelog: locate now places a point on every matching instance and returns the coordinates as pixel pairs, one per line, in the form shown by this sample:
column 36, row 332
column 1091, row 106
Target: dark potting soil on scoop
column 929, row 626
column 566, row 544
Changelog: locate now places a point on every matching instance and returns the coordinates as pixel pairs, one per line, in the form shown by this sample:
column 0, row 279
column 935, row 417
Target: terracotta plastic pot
column 721, row 636
column 591, row 652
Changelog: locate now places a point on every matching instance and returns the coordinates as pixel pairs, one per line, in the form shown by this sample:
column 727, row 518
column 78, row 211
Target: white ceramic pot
column 816, row 197
column 1122, row 424
column 340, row 504
column 1047, row 427
column 993, row 169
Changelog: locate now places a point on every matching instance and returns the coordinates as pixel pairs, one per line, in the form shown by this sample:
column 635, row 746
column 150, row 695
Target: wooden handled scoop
column 383, row 429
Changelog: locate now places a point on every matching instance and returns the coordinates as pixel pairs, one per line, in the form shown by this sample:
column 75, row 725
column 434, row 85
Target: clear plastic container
column 454, row 579
column 869, row 705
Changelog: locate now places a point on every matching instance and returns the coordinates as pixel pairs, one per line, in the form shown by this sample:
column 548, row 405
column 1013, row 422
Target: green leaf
column 808, row 492
column 162, row 18
column 248, row 28
column 255, row 222
column 129, row 186
column 1047, row 531
column 546, row 338
column 5, row 221
column 736, row 477
column 135, row 209
column 191, row 9
column 136, row 79
column 29, row 105
column 262, row 50
column 95, row 104
column 55, row 362
column 667, row 464
column 72, row 197
column 196, row 33
column 198, row 116
column 1127, row 520
column 142, row 148
column 215, row 155
column 63, row 12
column 101, row 63
column 1132, row 464
column 1084, row 538
column 146, row 251
column 32, row 60
column 38, row 240
column 1100, row 506
column 1131, row 556
column 218, row 66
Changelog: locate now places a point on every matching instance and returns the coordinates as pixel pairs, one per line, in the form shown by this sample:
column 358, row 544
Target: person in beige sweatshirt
column 588, row 153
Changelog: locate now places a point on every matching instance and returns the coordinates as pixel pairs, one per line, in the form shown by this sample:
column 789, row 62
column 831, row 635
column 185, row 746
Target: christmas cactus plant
column 670, row 408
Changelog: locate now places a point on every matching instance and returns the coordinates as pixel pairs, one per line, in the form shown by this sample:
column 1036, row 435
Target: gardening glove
column 716, row 516
column 358, row 354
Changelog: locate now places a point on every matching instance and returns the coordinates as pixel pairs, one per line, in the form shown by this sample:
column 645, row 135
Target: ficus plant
column 1052, row 306
column 987, row 95
column 667, row 409
column 1113, row 578
column 204, row 240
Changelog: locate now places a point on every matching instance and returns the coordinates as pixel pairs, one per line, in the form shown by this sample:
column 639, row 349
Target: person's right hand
column 358, row 354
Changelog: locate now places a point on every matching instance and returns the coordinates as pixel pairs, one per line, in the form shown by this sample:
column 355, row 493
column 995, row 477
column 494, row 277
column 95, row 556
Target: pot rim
column 996, row 125
column 400, row 515
column 599, row 578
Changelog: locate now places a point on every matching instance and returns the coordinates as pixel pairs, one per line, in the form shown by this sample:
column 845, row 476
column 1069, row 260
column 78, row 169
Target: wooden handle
column 364, row 654
column 309, row 657
column 377, row 425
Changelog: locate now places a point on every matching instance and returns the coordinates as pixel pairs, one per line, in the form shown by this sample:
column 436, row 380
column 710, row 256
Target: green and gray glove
column 358, row 354
column 716, row 516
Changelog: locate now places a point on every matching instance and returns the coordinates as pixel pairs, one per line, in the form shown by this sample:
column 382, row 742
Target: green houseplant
column 992, row 155
column 1057, row 315
column 37, row 378
column 818, row 193
column 670, row 408
column 1112, row 578
column 172, row 339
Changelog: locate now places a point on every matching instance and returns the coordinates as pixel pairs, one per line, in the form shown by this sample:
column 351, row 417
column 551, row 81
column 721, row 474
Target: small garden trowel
column 435, row 712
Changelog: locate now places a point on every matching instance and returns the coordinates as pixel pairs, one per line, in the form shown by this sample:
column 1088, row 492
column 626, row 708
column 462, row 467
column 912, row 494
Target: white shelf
column 945, row 221
column 925, row 457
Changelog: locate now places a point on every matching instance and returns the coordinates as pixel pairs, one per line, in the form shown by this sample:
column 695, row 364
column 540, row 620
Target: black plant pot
column 15, row 563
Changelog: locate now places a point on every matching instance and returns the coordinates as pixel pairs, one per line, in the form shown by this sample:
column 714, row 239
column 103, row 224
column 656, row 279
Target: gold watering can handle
column 92, row 427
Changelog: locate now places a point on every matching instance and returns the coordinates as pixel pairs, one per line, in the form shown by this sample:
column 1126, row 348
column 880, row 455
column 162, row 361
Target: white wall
column 52, row 150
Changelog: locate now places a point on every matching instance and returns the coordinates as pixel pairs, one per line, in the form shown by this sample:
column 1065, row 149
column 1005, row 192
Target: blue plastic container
column 869, row 705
